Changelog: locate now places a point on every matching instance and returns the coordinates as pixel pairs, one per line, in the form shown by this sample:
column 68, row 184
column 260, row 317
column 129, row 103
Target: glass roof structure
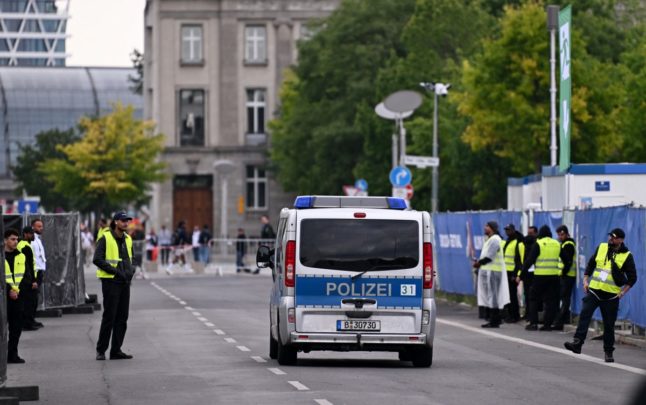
column 37, row 99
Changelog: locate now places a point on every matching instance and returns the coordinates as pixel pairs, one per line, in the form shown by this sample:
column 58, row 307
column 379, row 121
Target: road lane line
column 188, row 308
column 219, row 332
column 243, row 348
column 202, row 319
column 182, row 303
column 585, row 357
column 298, row 386
column 277, row 371
column 196, row 313
column 230, row 340
column 209, row 324
column 323, row 402
column 258, row 359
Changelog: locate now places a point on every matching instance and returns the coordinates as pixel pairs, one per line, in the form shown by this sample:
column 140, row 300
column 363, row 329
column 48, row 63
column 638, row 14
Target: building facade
column 213, row 70
column 32, row 32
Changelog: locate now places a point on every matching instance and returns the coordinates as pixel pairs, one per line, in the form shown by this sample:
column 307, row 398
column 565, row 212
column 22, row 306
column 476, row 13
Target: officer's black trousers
column 14, row 317
column 513, row 312
column 31, row 303
column 567, row 285
column 116, row 304
column 609, row 309
column 545, row 289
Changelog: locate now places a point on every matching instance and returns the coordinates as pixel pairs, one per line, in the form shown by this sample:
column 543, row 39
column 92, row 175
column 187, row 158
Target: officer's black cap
column 617, row 233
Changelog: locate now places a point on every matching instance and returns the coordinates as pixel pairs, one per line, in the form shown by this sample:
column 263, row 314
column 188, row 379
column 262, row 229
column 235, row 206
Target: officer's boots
column 574, row 346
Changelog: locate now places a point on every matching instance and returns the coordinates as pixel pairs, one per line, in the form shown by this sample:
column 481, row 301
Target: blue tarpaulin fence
column 459, row 236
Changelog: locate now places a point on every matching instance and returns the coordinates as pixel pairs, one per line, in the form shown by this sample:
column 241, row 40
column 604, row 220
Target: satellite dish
column 403, row 101
column 383, row 112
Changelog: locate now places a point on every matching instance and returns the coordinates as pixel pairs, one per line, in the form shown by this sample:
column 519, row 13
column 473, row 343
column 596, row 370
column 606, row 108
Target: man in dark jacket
column 609, row 276
column 528, row 277
column 568, row 276
column 113, row 257
column 513, row 251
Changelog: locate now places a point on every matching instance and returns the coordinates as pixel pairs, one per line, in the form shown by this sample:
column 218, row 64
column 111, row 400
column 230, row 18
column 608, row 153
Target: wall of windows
column 256, row 188
column 191, row 117
column 191, row 44
column 255, row 44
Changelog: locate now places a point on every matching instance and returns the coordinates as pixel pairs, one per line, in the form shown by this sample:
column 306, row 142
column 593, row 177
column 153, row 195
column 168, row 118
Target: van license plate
column 358, row 325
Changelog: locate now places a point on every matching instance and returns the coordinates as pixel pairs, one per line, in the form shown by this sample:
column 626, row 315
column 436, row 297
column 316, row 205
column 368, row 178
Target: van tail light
column 290, row 263
column 428, row 265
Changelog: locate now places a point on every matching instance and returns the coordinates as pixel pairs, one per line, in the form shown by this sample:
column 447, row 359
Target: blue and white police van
column 351, row 274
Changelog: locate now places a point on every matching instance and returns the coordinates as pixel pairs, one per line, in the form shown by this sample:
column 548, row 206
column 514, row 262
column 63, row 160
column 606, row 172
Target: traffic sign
column 361, row 184
column 409, row 192
column 354, row 192
column 28, row 206
column 400, row 192
column 400, row 176
column 422, row 161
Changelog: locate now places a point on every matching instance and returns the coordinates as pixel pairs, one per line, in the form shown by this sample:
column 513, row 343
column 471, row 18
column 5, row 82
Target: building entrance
column 193, row 201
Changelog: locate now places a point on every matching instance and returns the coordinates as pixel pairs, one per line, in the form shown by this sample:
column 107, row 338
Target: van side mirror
column 264, row 256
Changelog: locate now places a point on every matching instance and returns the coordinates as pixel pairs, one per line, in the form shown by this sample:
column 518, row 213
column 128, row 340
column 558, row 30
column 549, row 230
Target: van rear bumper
column 357, row 341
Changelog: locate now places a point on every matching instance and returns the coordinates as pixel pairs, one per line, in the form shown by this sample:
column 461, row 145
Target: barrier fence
column 459, row 236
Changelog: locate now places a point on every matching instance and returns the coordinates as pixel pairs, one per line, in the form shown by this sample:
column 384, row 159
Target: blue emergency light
column 311, row 201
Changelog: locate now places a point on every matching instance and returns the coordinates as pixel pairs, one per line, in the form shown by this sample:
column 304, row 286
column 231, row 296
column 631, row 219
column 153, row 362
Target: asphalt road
column 204, row 340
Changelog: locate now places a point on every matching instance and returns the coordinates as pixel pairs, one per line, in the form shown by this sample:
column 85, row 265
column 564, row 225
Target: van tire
column 423, row 357
column 286, row 355
column 273, row 347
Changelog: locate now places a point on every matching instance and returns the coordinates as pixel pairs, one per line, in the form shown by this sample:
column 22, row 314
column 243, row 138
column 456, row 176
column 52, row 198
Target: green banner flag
column 565, row 90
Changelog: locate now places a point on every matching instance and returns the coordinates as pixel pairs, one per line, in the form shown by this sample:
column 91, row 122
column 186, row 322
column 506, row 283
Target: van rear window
column 359, row 245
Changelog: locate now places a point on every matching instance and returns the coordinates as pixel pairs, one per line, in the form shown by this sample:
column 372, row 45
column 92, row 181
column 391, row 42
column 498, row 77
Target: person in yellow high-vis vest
column 568, row 275
column 113, row 257
column 545, row 287
column 609, row 275
column 514, row 252
column 17, row 267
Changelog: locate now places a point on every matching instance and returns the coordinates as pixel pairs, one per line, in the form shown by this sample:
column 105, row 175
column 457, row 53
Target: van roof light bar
column 324, row 201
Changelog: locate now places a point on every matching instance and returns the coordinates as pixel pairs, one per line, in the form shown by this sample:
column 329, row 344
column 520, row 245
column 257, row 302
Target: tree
column 137, row 81
column 31, row 157
column 115, row 163
column 315, row 142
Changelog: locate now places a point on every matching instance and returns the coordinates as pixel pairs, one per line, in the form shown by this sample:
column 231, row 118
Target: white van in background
column 351, row 274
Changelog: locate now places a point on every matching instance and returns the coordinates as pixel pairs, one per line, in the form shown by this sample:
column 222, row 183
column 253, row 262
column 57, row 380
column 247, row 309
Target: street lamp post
column 438, row 89
column 224, row 167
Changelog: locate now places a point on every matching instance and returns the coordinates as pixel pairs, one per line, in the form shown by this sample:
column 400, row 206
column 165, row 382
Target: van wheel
column 286, row 355
column 423, row 357
column 273, row 347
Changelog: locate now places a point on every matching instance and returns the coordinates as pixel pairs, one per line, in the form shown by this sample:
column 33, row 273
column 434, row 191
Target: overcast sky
column 104, row 32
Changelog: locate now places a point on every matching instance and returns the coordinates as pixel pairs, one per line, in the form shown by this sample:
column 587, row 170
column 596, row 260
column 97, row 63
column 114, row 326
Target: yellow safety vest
column 510, row 253
column 112, row 253
column 101, row 232
column 547, row 263
column 20, row 246
column 14, row 279
column 497, row 263
column 572, row 271
column 602, row 276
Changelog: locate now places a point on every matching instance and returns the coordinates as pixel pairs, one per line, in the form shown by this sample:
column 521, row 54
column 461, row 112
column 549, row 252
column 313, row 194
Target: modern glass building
column 37, row 99
column 32, row 32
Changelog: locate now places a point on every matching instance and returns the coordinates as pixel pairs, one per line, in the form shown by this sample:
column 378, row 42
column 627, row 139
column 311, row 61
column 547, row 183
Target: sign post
column 565, row 19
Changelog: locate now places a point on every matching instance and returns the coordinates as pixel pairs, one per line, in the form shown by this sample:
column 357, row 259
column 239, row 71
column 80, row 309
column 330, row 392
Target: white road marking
column 566, row 352
column 196, row 313
column 298, row 386
column 201, row 318
column 209, row 324
column 219, row 332
column 243, row 348
column 182, row 303
column 188, row 308
column 230, row 340
column 277, row 371
column 323, row 402
column 258, row 359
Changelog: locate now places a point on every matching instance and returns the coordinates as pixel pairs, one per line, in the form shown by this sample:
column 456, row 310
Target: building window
column 256, row 188
column 255, row 44
column 256, row 111
column 192, row 44
column 191, row 117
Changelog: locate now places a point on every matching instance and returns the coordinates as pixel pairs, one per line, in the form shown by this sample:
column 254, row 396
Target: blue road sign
column 400, row 176
column 361, row 184
column 29, row 206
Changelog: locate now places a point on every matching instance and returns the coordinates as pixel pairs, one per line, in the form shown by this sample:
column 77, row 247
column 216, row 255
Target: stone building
column 212, row 74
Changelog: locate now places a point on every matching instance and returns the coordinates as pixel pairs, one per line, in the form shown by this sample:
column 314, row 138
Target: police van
column 351, row 274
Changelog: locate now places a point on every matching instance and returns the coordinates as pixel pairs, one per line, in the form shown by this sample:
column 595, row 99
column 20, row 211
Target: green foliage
column 112, row 165
column 31, row 156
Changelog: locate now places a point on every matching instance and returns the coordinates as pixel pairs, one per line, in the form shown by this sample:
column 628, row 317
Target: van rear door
column 359, row 270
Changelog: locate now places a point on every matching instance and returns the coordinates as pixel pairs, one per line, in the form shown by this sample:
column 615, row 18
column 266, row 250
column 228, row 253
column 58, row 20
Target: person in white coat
column 493, row 291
